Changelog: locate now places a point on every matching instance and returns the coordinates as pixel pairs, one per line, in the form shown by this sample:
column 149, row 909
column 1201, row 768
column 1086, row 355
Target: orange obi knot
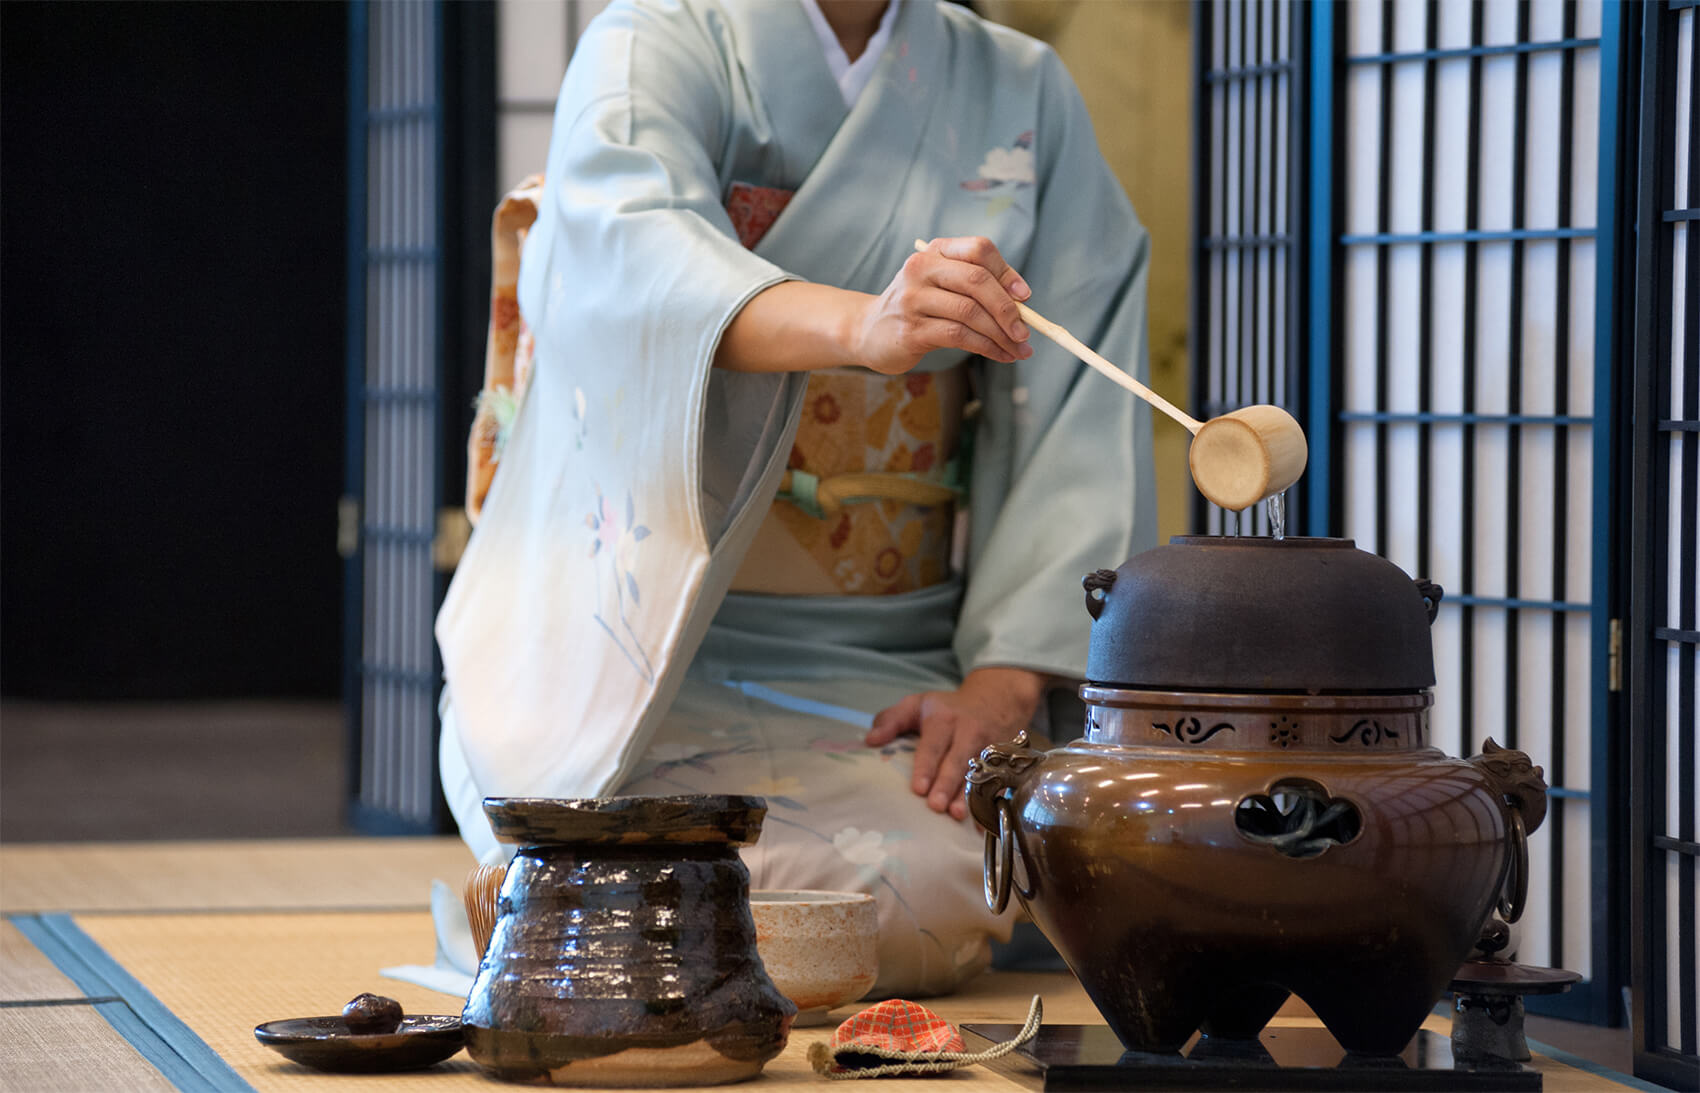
column 867, row 505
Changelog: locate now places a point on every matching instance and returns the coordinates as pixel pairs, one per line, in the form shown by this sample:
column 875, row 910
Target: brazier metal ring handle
column 1521, row 791
column 1511, row 902
column 998, row 866
column 991, row 776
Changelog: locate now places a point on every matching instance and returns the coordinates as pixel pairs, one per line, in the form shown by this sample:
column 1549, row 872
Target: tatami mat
column 222, row 974
column 26, row 975
column 233, row 934
column 323, row 874
column 51, row 1049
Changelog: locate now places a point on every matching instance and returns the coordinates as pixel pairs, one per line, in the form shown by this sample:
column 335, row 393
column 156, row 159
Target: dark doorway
column 172, row 301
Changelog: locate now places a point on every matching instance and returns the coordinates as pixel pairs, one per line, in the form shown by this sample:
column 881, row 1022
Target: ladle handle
column 1114, row 374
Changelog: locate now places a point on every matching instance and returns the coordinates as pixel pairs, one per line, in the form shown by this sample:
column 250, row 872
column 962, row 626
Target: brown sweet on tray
column 372, row 1013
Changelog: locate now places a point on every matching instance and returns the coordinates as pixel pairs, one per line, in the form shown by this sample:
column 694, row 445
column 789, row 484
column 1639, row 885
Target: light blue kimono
column 588, row 640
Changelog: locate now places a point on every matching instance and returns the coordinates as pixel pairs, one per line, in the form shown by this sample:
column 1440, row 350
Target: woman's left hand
column 993, row 704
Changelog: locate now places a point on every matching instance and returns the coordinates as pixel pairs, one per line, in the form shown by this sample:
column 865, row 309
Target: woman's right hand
column 956, row 294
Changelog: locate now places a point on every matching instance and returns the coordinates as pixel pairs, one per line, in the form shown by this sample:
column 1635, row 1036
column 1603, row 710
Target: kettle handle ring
column 991, row 776
column 1097, row 585
column 1520, row 789
column 998, row 865
column 1514, row 893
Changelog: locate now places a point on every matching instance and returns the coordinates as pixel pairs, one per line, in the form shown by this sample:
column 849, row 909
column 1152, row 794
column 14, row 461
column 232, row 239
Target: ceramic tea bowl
column 819, row 948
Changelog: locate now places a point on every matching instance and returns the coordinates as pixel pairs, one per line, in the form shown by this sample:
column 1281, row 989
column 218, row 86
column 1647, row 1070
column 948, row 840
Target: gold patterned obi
column 868, row 503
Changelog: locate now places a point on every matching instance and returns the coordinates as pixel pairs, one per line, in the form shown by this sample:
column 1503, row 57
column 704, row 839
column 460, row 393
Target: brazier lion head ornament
column 1521, row 783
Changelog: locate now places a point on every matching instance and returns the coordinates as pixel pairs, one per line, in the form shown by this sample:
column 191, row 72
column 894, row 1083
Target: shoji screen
column 1466, row 378
column 1245, row 337
column 390, row 510
column 1665, row 613
column 421, row 100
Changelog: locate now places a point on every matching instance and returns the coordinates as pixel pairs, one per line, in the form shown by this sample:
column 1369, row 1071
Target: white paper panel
column 1578, row 696
column 1535, row 538
column 1499, row 23
column 1541, row 141
column 400, row 424
column 1683, row 125
column 1491, row 470
column 1488, row 716
column 1403, row 499
column 1588, row 13
column 1578, row 950
column 1580, row 398
column 1676, row 741
column 522, row 146
column 1454, row 24
column 1283, row 136
column 1363, row 28
column 1498, row 118
column 1446, row 514
column 1673, row 951
column 1357, row 317
column 1446, row 327
column 1410, row 28
column 1534, row 929
column 1359, row 462
column 531, row 43
column 1405, row 145
column 1363, row 143
column 1579, row 539
column 1493, row 328
column 1584, row 136
column 1451, row 142
column 1677, row 566
column 1539, row 327
column 1534, row 696
column 1546, row 20
column 1404, row 324
column 1446, row 716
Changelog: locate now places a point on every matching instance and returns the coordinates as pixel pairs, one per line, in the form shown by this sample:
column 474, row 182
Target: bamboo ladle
column 1237, row 459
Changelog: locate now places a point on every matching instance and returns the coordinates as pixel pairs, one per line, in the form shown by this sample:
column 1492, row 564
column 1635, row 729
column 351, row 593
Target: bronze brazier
column 1254, row 808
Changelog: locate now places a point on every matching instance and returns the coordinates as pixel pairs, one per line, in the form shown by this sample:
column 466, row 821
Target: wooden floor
column 251, row 770
column 205, row 770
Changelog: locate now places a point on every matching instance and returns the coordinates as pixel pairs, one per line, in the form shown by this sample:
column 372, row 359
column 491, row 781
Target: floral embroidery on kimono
column 1006, row 168
column 614, row 546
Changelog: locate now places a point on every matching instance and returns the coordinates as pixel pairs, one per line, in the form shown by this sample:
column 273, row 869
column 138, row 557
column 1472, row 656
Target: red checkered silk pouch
column 898, row 1037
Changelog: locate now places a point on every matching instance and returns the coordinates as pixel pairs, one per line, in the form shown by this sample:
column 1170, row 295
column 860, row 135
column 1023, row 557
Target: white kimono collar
column 852, row 77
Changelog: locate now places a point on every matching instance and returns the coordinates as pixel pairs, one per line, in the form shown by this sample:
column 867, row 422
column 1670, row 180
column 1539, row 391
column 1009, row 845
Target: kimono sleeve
column 634, row 257
column 1062, row 481
column 584, row 590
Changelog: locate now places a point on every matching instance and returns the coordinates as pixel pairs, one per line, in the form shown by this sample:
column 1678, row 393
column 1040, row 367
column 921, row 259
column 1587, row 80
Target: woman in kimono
column 788, row 508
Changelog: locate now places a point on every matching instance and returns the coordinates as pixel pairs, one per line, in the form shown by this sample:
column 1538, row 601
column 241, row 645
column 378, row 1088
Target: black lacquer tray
column 1089, row 1057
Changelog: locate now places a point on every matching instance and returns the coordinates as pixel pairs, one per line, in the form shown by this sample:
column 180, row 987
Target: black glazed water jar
column 624, row 953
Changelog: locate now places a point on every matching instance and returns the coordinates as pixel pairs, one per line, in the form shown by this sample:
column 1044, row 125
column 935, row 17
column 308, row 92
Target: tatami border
column 130, row 1008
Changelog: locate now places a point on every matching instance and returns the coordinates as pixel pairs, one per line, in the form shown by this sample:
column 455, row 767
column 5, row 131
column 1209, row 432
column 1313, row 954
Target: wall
column 173, row 346
column 1133, row 64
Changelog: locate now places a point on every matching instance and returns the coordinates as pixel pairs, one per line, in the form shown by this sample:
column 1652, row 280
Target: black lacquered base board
column 1077, row 1057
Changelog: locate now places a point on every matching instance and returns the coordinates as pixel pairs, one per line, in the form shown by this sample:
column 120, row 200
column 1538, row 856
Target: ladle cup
column 1237, row 459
